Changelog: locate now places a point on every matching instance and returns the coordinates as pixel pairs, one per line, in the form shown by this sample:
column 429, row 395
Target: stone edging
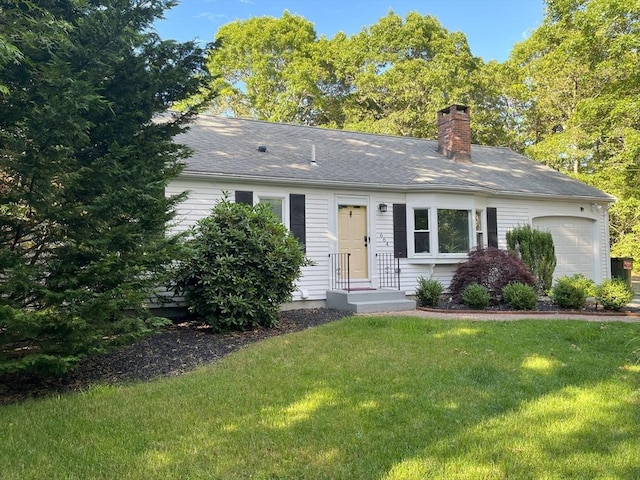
column 529, row 312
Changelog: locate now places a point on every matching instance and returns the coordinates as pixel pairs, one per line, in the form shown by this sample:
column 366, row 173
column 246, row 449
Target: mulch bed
column 545, row 305
column 173, row 351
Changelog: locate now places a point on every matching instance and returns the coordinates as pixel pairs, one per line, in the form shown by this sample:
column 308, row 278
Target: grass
column 363, row 398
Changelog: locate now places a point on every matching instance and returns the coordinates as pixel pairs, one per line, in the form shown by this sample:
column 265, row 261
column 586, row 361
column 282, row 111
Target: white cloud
column 211, row 16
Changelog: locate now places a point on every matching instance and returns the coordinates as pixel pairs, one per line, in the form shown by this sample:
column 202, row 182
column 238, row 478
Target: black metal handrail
column 388, row 270
column 340, row 272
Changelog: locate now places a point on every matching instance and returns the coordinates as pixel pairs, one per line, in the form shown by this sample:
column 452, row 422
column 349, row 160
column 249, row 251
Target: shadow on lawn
column 424, row 399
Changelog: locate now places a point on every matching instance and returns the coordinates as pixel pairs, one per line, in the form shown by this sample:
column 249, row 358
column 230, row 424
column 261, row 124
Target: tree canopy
column 567, row 96
column 389, row 78
column 267, row 69
column 84, row 160
column 579, row 91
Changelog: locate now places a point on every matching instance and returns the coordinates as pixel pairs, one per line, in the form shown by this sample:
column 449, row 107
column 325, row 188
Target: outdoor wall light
column 382, row 207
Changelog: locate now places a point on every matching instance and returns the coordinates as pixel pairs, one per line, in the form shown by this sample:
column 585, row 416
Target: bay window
column 443, row 232
column 453, row 231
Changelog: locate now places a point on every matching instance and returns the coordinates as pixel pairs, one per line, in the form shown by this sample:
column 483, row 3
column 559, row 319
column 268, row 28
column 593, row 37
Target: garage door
column 574, row 242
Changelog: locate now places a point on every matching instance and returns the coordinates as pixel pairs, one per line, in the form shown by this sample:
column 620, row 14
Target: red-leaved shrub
column 492, row 268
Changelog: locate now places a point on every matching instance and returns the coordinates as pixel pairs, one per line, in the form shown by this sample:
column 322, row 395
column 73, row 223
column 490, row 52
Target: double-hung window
column 479, row 229
column 442, row 229
column 276, row 204
column 421, row 233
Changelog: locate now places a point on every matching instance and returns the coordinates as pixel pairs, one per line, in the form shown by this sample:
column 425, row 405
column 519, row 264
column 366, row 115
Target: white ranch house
column 398, row 208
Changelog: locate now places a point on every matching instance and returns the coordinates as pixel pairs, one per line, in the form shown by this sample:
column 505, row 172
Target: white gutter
column 393, row 187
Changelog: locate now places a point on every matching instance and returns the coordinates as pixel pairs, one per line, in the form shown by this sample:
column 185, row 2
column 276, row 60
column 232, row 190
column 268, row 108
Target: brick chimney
column 454, row 133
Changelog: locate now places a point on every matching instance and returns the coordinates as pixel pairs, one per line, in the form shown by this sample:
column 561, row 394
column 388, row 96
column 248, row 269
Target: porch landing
column 369, row 301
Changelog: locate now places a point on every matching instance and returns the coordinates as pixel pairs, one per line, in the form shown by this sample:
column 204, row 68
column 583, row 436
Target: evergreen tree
column 536, row 250
column 86, row 149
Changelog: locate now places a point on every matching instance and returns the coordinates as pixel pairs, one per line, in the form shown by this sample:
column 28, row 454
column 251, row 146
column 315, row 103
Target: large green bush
column 428, row 292
column 242, row 266
column 614, row 294
column 536, row 249
column 520, row 296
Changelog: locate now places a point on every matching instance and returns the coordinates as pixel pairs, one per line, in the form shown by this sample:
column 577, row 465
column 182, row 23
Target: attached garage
column 575, row 241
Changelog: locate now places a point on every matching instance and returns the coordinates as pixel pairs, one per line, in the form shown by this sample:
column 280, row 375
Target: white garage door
column 574, row 240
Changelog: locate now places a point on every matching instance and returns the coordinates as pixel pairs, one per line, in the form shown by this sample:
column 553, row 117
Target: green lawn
column 363, row 398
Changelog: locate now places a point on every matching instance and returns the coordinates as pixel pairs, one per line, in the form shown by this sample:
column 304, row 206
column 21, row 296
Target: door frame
column 356, row 201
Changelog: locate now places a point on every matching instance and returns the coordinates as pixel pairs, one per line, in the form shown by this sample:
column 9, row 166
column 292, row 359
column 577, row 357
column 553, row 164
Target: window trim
column 480, row 214
column 434, row 204
column 428, row 231
column 470, row 232
column 284, row 213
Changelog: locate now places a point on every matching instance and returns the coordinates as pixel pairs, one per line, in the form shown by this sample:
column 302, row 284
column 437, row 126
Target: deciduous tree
column 268, row 68
column 390, row 78
column 579, row 89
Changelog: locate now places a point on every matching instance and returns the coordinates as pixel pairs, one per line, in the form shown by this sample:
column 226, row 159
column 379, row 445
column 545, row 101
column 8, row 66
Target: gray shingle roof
column 228, row 147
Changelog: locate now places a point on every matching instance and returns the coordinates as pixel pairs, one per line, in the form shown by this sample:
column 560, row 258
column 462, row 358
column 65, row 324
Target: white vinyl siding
column 321, row 224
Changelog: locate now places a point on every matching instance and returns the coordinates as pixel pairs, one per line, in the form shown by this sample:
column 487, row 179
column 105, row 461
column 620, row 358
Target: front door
column 352, row 238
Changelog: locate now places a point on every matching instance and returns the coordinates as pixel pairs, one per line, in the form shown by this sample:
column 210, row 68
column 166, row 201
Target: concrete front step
column 369, row 301
column 383, row 306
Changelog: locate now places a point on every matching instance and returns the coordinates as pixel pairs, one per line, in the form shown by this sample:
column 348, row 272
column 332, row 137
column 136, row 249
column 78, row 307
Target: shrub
column 588, row 285
column 476, row 296
column 535, row 248
column 520, row 296
column 614, row 294
column 491, row 268
column 243, row 264
column 571, row 292
column 428, row 292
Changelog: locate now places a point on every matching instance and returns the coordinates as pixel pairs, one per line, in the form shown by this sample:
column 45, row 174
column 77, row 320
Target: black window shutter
column 400, row 230
column 244, row 197
column 297, row 218
column 492, row 227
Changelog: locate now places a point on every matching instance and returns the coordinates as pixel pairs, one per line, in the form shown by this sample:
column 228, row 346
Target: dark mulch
column 173, row 351
column 545, row 304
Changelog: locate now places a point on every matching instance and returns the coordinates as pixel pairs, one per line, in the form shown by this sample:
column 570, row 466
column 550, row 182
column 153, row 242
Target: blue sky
column 492, row 27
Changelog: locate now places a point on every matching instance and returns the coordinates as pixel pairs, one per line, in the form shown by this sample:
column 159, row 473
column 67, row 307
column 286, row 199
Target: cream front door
column 352, row 238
